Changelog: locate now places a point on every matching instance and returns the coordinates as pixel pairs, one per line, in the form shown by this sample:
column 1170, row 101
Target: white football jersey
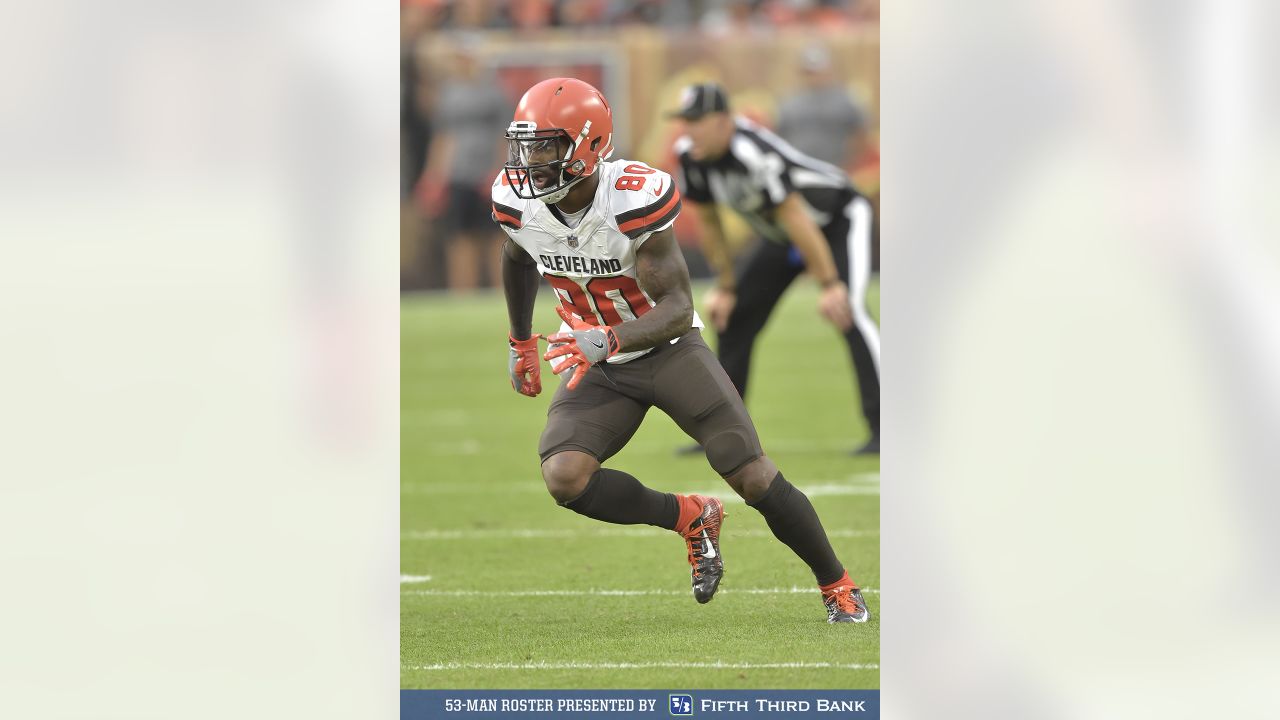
column 592, row 267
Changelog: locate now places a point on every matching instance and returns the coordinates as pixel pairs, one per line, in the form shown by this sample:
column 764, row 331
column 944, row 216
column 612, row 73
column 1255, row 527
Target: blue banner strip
column 606, row 704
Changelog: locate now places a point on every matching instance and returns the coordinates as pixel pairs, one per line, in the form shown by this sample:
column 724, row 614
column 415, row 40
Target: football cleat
column 845, row 604
column 702, row 537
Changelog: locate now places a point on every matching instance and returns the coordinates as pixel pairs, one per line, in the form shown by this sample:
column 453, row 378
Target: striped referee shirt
column 757, row 173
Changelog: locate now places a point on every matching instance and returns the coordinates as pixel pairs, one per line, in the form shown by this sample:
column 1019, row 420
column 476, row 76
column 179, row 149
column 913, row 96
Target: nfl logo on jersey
column 573, row 241
column 681, row 704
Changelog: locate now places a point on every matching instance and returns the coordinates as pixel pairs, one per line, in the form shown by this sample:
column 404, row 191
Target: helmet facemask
column 540, row 163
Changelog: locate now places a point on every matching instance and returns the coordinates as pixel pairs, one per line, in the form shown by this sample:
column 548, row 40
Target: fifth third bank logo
column 681, row 704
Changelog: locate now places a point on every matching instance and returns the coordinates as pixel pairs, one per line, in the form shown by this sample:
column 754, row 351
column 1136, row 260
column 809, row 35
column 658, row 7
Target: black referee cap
column 698, row 100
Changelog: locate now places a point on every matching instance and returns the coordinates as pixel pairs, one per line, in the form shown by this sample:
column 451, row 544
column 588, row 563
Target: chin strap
column 557, row 196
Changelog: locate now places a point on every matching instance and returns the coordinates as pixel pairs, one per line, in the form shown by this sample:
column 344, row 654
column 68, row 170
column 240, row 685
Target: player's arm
column 808, row 239
column 520, row 284
column 719, row 300
column 714, row 245
column 661, row 271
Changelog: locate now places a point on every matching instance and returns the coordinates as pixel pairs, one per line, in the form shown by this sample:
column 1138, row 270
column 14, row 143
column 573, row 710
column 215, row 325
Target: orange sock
column 690, row 508
column 843, row 581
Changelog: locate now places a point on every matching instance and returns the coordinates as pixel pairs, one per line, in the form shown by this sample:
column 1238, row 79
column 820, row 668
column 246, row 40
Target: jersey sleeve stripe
column 670, row 200
column 639, row 214
column 662, row 220
column 505, row 215
column 514, row 213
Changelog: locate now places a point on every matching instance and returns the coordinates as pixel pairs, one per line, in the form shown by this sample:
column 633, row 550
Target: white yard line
column 793, row 590
column 404, row 579
column 637, row 666
column 645, row 531
column 809, row 490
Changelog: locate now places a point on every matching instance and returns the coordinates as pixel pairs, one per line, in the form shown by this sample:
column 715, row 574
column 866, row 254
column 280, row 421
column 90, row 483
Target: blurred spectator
column 822, row 120
column 471, row 113
column 530, row 14
column 865, row 10
column 422, row 261
column 474, row 14
column 805, row 12
column 657, row 12
column 715, row 16
column 418, row 17
column 581, row 13
column 415, row 124
column 733, row 17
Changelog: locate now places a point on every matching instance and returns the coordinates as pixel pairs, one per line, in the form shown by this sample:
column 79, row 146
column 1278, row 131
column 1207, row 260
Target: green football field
column 501, row 588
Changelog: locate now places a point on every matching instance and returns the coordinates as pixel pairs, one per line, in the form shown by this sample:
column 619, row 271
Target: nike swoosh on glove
column 526, row 373
column 582, row 347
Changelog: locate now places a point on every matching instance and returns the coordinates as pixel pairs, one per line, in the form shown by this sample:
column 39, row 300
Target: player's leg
column 585, row 427
column 767, row 274
column 577, row 482
column 793, row 520
column 697, row 394
column 850, row 240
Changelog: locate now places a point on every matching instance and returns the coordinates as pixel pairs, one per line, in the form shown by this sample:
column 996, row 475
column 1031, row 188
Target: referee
column 810, row 217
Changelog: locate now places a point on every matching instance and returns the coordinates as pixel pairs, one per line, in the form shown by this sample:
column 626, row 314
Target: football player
column 599, row 231
column 810, row 218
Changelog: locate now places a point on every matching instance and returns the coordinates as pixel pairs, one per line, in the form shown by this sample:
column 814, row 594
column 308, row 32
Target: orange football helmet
column 562, row 129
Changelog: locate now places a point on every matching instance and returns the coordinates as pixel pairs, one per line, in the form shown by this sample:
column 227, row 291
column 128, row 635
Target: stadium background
column 499, row 587
column 640, row 59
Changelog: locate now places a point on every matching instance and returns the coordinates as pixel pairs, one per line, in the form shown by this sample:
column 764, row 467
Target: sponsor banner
column 484, row 704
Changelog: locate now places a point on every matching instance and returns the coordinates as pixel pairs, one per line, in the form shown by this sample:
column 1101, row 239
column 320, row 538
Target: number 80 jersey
column 592, row 267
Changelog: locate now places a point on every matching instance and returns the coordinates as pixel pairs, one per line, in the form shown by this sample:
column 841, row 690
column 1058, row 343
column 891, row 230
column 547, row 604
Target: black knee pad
column 729, row 449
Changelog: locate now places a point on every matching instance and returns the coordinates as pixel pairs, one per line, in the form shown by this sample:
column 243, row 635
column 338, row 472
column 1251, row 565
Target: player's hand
column 834, row 305
column 719, row 303
column 582, row 347
column 526, row 373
